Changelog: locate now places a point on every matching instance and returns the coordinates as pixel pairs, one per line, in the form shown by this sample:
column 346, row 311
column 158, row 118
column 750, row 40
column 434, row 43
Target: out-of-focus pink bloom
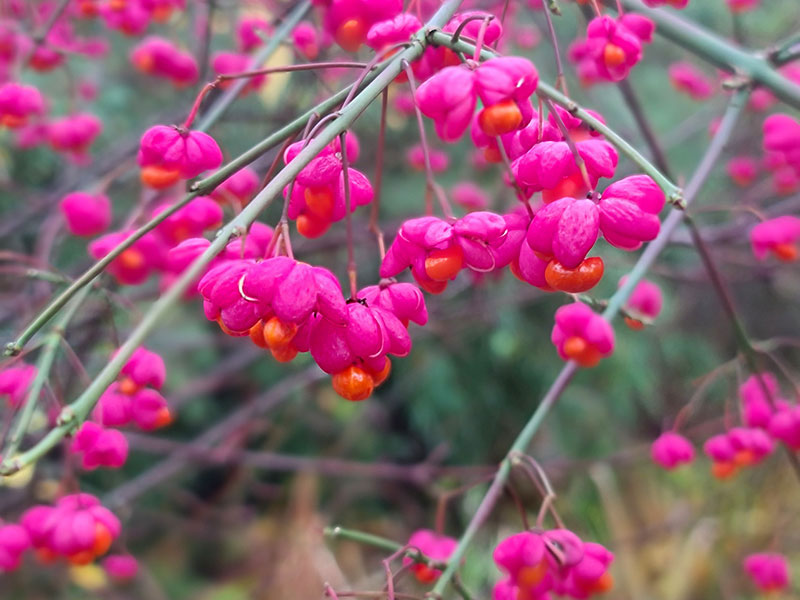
column 742, row 170
column 687, row 78
column 229, row 63
column 238, row 189
column 86, row 214
column 121, row 567
column 15, row 381
column 144, row 368
column 167, row 154
column 99, row 447
column 778, row 236
column 306, row 40
column 784, row 425
column 250, row 32
column 644, row 303
column 78, row 528
column 392, row 31
column 434, row 546
column 737, row 448
column 18, row 103
column 199, row 215
column 130, row 17
column 416, row 158
column 159, row 57
column 782, row 135
column 758, row 405
column 74, row 134
column 348, row 21
column 613, row 47
column 135, row 264
column 740, row 6
column 582, row 335
column 404, row 300
column 640, row 25
column 671, row 450
column 492, row 30
column 761, row 100
column 679, row 4
column 527, row 38
column 14, row 540
column 470, row 196
column 768, row 571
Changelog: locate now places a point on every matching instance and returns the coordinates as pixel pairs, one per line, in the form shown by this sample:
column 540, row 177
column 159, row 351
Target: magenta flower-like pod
column 78, row 528
column 18, row 103
column 449, row 98
column 690, row 80
column 86, row 214
column 590, row 576
column 551, row 166
column 640, row 25
column 739, row 447
column 505, row 85
column 613, row 47
column 367, row 336
column 121, row 567
column 643, row 305
column 135, row 264
column 74, row 134
column 199, row 215
column 225, row 300
column 229, row 63
column 757, row 407
column 144, row 369
column 438, row 158
column 784, row 425
column 238, row 189
column 778, row 236
column 130, row 18
column 149, row 410
column 15, row 381
column 508, row 251
column 404, row 300
column 161, row 58
column 167, row 154
column 769, row 571
column 99, row 447
column 629, row 211
column 292, row 290
column 522, row 555
column 433, row 545
column 480, row 234
column 318, row 194
column 742, row 170
column 14, row 540
column 565, row 229
column 348, row 21
column 306, row 40
column 530, row 267
column 392, row 31
column 469, row 196
column 671, row 450
column 250, row 32
column 582, row 335
column 113, row 409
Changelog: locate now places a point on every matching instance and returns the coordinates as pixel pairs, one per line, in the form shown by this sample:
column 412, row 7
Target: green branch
column 74, row 414
column 728, row 56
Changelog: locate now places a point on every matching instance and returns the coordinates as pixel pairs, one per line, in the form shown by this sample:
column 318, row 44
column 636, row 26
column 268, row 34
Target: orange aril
column 128, row 386
column 613, row 55
column 441, row 265
column 574, row 281
column 278, row 334
column 351, row 34
column 131, row 259
column 158, row 178
column 785, row 252
column 353, row 384
column 500, row 118
column 380, row 376
column 319, row 202
column 102, row 539
column 572, row 186
column 724, row 470
column 285, row 354
column 583, row 353
column 311, row 227
column 257, row 335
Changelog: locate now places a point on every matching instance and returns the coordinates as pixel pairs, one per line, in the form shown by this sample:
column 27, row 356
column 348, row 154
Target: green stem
column 615, row 303
column 786, row 51
column 72, row 415
column 383, row 543
column 44, row 365
column 672, row 191
column 718, row 51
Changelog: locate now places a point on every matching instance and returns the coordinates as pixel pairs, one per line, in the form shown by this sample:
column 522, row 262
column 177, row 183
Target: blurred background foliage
column 222, row 528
